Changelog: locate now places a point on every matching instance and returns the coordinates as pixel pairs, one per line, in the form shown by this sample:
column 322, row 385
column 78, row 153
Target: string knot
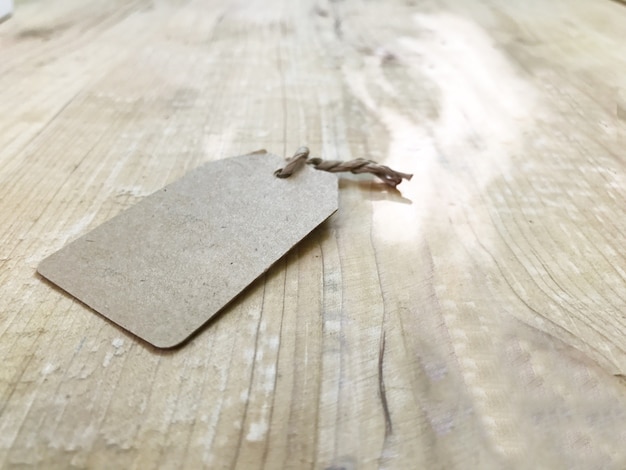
column 294, row 163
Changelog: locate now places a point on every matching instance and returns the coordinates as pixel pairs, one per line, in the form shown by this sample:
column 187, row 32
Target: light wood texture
column 475, row 319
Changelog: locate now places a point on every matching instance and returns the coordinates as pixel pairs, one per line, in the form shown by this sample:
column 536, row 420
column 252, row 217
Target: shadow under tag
column 164, row 267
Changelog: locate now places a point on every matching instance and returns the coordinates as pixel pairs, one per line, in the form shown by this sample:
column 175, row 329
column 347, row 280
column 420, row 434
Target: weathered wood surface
column 475, row 319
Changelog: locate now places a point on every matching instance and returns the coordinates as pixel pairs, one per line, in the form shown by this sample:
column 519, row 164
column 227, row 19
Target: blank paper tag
column 164, row 267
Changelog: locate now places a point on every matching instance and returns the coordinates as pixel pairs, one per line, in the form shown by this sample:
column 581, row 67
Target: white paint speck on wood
column 6, row 8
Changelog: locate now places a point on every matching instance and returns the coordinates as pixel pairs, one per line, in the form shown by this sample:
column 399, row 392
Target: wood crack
column 381, row 386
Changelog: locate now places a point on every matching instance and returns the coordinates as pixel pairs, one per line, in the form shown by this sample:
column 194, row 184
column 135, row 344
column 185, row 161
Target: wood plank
column 474, row 319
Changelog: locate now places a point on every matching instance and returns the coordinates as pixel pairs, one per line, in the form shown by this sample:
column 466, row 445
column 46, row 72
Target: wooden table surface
column 474, row 319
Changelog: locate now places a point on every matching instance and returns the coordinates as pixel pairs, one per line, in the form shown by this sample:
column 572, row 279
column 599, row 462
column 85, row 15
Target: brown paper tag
column 165, row 266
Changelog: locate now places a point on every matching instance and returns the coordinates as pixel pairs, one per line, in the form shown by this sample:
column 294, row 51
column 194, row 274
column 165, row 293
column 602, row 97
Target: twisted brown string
column 359, row 165
column 294, row 163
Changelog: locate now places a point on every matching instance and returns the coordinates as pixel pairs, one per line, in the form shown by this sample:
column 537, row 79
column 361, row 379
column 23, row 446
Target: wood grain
column 473, row 319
